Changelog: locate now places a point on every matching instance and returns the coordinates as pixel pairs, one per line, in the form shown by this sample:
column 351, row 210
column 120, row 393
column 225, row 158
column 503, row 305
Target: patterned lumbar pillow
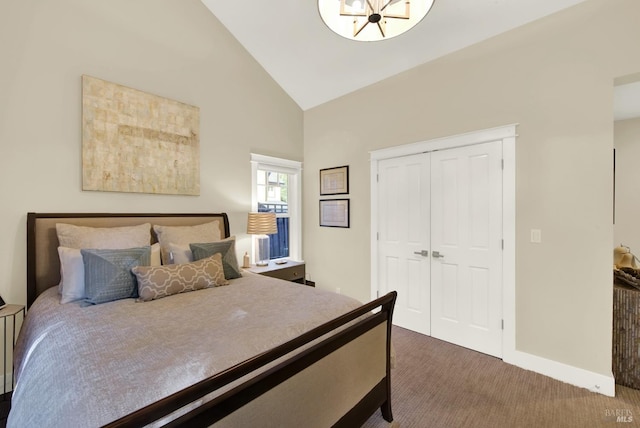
column 227, row 248
column 107, row 273
column 155, row 282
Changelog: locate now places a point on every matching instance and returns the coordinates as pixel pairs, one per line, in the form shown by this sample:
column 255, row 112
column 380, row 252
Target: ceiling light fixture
column 372, row 20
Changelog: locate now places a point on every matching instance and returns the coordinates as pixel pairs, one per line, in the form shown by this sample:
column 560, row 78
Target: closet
column 439, row 241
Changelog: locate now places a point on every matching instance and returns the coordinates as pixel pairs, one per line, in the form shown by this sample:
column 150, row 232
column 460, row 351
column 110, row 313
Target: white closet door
column 466, row 246
column 403, row 241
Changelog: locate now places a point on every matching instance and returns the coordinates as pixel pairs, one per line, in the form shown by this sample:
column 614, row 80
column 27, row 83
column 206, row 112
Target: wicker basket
column 626, row 335
column 628, row 276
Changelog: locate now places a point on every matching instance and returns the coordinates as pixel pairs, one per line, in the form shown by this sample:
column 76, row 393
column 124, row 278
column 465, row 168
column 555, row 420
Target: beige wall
column 554, row 78
column 627, row 144
column 172, row 48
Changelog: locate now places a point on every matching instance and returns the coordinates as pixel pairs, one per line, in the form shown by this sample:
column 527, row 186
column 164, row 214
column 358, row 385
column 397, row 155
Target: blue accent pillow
column 227, row 248
column 108, row 276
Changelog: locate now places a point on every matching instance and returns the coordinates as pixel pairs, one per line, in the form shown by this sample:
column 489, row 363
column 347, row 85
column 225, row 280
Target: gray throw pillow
column 227, row 248
column 108, row 276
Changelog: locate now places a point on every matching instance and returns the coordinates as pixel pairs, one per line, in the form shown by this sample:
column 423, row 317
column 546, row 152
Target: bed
column 250, row 351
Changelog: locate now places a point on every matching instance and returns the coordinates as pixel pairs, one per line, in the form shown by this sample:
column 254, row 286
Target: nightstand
column 290, row 271
column 9, row 311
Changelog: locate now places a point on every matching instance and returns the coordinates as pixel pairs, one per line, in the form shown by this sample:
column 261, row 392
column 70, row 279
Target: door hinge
column 502, row 240
column 502, row 163
column 377, row 293
column 502, row 324
column 377, row 236
column 377, row 178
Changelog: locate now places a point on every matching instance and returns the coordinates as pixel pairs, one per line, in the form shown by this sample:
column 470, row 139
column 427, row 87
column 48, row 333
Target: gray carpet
column 437, row 384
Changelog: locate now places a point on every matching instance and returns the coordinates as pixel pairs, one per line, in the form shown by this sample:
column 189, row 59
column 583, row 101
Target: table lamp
column 262, row 225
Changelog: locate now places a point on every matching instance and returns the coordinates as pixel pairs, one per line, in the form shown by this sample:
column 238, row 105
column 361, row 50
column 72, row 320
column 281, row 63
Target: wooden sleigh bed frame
column 268, row 383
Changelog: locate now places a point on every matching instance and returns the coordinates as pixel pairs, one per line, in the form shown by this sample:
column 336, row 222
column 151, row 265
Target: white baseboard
column 596, row 382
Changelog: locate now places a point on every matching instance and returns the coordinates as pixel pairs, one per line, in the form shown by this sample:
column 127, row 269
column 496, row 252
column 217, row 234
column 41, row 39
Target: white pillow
column 109, row 238
column 179, row 254
column 71, row 274
column 207, row 232
column 71, row 285
column 155, row 255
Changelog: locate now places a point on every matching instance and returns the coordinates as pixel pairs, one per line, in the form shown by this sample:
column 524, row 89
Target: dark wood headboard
column 43, row 264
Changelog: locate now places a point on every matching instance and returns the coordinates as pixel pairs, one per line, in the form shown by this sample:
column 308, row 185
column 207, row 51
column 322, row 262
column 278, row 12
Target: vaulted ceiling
column 314, row 65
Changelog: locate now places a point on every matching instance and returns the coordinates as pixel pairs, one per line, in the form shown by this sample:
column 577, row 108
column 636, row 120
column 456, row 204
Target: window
column 273, row 188
column 276, row 188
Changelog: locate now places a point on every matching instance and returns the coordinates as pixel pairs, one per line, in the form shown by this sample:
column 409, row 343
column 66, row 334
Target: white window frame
column 294, row 196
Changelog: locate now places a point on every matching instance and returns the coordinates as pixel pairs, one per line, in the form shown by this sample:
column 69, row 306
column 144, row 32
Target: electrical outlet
column 536, row 236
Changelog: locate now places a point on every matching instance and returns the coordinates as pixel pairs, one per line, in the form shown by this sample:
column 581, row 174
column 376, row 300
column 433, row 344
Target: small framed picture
column 334, row 181
column 334, row 213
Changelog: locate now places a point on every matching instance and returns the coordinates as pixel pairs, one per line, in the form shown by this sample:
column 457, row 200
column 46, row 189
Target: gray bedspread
column 86, row 366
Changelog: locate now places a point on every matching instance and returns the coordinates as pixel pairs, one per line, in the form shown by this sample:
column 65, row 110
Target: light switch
column 536, row 236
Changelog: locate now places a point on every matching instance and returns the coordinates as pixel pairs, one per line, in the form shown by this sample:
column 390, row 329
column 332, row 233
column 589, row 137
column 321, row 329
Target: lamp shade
column 262, row 224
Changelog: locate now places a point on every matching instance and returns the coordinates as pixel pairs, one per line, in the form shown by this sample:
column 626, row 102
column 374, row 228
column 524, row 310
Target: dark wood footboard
column 340, row 333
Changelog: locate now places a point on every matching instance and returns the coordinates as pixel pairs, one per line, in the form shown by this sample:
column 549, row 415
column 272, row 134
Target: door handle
column 436, row 254
column 423, row 253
